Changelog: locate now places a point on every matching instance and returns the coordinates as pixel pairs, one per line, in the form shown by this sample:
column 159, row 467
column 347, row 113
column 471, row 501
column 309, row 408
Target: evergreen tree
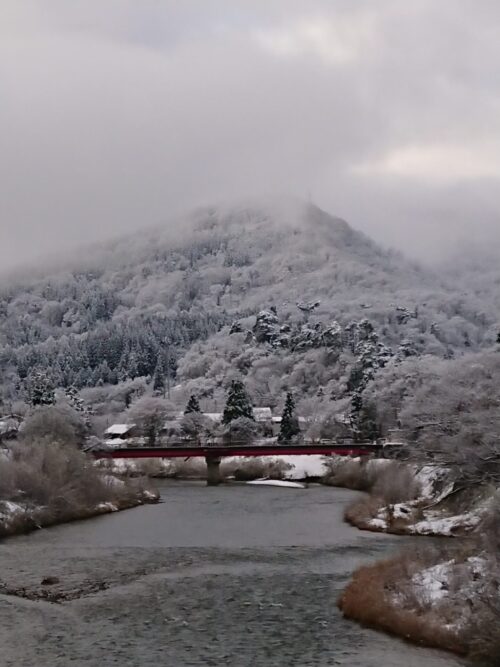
column 192, row 406
column 289, row 427
column 159, row 379
column 41, row 390
column 364, row 419
column 78, row 405
column 237, row 403
column 368, row 426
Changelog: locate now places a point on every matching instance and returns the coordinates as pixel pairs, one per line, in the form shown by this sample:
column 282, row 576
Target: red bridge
column 213, row 453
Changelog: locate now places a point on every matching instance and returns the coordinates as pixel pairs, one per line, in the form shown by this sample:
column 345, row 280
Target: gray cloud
column 116, row 114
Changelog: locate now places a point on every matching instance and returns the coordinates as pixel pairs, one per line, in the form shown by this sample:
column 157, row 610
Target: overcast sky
column 116, row 113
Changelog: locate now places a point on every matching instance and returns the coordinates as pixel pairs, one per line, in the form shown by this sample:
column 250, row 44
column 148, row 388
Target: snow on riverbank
column 432, row 513
column 277, row 482
column 443, row 598
column 16, row 517
column 448, row 526
column 10, row 513
column 294, row 467
column 289, row 467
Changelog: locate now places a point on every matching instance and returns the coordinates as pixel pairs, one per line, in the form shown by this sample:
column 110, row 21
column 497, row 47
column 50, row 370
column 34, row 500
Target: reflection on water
column 233, row 575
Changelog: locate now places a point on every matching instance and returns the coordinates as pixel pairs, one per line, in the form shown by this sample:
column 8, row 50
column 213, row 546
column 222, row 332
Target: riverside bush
column 54, row 482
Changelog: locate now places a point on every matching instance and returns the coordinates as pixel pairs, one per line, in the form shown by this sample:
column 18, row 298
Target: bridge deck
column 237, row 450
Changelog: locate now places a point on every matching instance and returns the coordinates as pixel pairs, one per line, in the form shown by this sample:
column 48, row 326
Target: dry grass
column 190, row 469
column 360, row 512
column 387, row 484
column 379, row 597
column 241, row 470
column 358, row 475
column 254, row 468
column 396, row 483
column 391, row 481
column 56, row 483
column 484, row 629
column 464, row 617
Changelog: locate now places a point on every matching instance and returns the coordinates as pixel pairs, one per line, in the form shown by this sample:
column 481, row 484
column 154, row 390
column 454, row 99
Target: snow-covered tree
column 237, row 404
column 289, row 427
column 194, row 425
column 40, row 389
column 241, row 430
column 193, row 405
column 75, row 401
column 53, row 423
column 159, row 385
column 149, row 413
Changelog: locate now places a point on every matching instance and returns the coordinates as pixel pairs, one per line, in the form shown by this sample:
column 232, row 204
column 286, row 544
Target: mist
column 119, row 115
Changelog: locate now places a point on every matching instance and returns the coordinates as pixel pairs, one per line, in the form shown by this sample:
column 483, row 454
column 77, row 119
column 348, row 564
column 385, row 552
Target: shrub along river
column 232, row 575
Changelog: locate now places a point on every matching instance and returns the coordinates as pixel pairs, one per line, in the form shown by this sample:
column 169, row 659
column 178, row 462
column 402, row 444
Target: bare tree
column 195, row 426
column 149, row 413
column 54, row 423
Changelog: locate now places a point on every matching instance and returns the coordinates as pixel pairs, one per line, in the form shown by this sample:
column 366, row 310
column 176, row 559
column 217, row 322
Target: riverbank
column 429, row 596
column 17, row 519
column 46, row 483
column 446, row 597
column 223, row 575
column 398, row 499
column 238, row 468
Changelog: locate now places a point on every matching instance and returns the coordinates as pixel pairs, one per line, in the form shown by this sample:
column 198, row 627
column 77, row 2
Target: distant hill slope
column 135, row 307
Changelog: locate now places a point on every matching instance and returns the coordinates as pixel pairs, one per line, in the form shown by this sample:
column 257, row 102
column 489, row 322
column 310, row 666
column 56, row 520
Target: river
column 233, row 575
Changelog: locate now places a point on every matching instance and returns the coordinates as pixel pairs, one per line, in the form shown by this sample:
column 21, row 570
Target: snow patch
column 277, row 482
column 303, row 466
column 107, row 507
column 431, row 584
column 446, row 526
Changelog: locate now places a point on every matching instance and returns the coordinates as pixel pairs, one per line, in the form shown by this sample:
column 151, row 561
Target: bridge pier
column 213, row 470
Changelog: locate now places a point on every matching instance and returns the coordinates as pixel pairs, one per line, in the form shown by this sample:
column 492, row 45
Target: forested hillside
column 279, row 292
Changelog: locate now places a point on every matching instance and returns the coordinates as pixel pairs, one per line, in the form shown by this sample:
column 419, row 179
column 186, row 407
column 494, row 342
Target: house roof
column 116, row 442
column 214, row 416
column 119, row 429
column 262, row 414
column 277, row 420
column 8, row 425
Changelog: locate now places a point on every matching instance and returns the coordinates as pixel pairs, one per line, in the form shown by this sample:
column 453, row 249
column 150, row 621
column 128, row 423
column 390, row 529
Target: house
column 172, row 425
column 120, row 432
column 262, row 415
column 9, row 427
column 396, row 437
column 215, row 417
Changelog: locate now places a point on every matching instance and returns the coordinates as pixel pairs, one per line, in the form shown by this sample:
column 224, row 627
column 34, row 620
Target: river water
column 233, row 575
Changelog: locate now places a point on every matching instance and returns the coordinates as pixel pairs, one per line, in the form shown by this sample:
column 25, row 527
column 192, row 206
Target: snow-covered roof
column 8, row 424
column 277, row 420
column 214, row 416
column 119, row 429
column 343, row 418
column 262, row 414
column 116, row 442
column 173, row 417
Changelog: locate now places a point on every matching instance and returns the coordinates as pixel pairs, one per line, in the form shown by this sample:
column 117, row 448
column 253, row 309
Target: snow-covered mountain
column 167, row 299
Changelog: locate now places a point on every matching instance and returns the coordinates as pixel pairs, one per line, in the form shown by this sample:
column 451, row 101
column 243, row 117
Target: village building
column 119, row 435
column 9, row 427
